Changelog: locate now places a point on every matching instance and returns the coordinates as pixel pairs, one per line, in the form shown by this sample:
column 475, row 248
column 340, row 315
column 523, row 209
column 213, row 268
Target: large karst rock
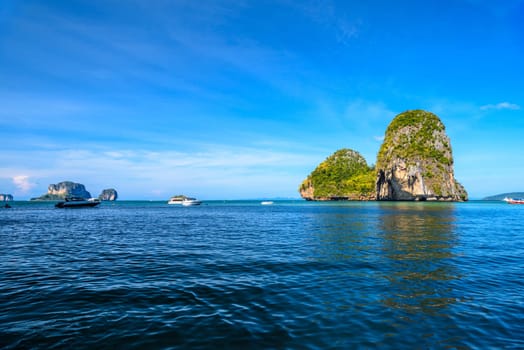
column 64, row 189
column 109, row 194
column 345, row 175
column 415, row 161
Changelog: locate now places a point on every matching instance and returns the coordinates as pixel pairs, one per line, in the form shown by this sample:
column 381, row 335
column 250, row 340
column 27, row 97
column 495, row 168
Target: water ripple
column 145, row 275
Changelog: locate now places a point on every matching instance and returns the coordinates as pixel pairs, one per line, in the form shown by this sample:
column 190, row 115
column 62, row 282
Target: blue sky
column 243, row 99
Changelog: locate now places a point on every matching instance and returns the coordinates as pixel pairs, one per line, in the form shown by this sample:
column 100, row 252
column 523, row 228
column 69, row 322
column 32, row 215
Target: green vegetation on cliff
column 415, row 160
column 343, row 175
column 411, row 135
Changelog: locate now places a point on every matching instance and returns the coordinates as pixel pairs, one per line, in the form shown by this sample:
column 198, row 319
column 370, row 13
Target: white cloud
column 501, row 105
column 215, row 171
column 23, row 183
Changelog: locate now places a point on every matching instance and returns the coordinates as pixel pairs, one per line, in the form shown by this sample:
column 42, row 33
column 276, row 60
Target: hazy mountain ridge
column 499, row 197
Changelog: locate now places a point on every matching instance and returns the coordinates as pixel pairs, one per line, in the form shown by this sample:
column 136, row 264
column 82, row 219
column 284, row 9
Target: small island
column 109, row 194
column 4, row 197
column 61, row 190
column 414, row 163
column 65, row 189
column 345, row 175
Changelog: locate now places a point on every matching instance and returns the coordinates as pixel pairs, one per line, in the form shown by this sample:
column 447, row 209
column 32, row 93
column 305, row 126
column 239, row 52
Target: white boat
column 266, row 202
column 187, row 202
column 77, row 202
column 176, row 200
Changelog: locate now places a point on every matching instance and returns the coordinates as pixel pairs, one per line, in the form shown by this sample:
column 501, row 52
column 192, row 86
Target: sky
column 243, row 99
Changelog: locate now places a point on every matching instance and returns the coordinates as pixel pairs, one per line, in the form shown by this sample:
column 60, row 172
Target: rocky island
column 6, row 197
column 345, row 175
column 62, row 190
column 108, row 195
column 414, row 163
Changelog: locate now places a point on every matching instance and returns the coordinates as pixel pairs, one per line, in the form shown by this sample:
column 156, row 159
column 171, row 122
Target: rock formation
column 6, row 197
column 64, row 189
column 345, row 175
column 415, row 161
column 108, row 195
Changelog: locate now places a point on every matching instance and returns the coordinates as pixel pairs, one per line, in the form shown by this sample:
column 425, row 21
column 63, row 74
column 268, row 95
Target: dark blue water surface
column 294, row 275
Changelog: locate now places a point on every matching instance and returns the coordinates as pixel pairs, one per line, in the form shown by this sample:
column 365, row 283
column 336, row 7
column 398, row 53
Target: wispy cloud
column 23, row 183
column 239, row 171
column 499, row 106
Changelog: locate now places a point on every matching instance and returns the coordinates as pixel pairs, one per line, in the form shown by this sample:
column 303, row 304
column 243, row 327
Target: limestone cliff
column 108, row 195
column 345, row 175
column 64, row 189
column 415, row 161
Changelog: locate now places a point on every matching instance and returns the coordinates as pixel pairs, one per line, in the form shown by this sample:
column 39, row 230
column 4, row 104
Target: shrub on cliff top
column 344, row 174
column 411, row 135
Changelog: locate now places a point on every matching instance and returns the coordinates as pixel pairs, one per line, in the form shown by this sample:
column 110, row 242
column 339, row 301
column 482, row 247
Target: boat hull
column 191, row 203
column 513, row 201
column 79, row 204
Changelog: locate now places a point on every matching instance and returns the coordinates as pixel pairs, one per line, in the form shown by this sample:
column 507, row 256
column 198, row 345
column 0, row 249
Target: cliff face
column 64, row 189
column 415, row 161
column 344, row 175
column 108, row 195
column 68, row 188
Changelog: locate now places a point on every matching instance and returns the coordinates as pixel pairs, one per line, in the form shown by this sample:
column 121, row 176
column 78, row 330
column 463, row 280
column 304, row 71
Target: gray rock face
column 6, row 197
column 415, row 161
column 68, row 188
column 64, row 189
column 108, row 195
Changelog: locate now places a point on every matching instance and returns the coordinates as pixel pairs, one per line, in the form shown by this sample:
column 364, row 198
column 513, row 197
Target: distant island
column 109, row 194
column 501, row 196
column 6, row 197
column 61, row 190
column 414, row 163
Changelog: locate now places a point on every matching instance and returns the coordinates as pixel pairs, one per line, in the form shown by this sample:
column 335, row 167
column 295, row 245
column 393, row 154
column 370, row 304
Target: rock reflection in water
column 346, row 235
column 418, row 241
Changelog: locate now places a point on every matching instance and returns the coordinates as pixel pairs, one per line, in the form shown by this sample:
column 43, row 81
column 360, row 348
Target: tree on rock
column 345, row 175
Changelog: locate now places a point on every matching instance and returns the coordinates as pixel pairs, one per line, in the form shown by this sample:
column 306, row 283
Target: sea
column 241, row 275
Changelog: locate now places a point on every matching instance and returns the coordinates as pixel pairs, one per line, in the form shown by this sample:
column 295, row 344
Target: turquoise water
column 236, row 274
